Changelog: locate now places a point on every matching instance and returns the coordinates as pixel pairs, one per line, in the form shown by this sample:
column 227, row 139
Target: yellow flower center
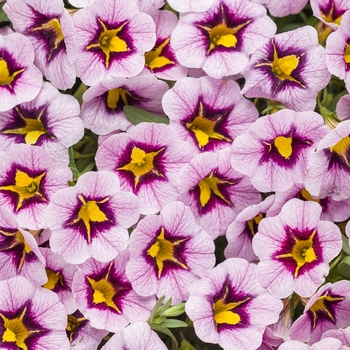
column 253, row 223
column 204, row 129
column 209, row 186
column 320, row 307
column 5, row 77
column 32, row 130
column 154, row 58
column 330, row 17
column 302, row 252
column 141, row 163
column 110, row 42
column 73, row 325
column 342, row 149
column 284, row 146
column 347, row 54
column 25, row 187
column 122, row 96
column 163, row 250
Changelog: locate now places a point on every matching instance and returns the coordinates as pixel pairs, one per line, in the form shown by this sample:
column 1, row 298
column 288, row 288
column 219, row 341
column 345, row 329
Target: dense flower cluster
column 180, row 164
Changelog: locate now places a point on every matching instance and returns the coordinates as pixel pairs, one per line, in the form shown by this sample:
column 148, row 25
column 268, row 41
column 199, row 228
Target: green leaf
column 346, row 247
column 3, row 15
column 154, row 310
column 138, row 115
column 168, row 333
column 175, row 310
column 185, row 345
column 173, row 324
column 344, row 267
column 335, row 100
column 164, row 307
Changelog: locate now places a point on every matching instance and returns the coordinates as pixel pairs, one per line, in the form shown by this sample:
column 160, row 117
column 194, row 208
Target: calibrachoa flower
column 327, row 309
column 81, row 335
column 278, row 8
column 221, row 39
column 20, row 80
column 191, row 5
column 19, row 252
column 31, row 317
column 105, row 296
column 229, row 306
column 215, row 192
column 329, row 343
column 91, row 219
column 161, row 60
column 289, row 68
column 208, row 113
column 168, row 253
column 147, row 160
column 295, row 249
column 49, row 27
column 277, row 150
column 102, row 109
column 137, row 336
column 241, row 231
column 60, row 278
column 50, row 121
column 149, row 6
column 338, row 51
column 112, row 37
column 28, row 179
column 329, row 172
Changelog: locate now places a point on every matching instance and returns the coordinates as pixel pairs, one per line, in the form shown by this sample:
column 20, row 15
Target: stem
column 337, row 260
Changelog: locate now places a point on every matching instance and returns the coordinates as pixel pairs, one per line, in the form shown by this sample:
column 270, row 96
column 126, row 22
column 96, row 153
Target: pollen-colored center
column 54, row 278
column 347, row 54
column 330, row 17
column 209, row 186
column 109, row 42
column 25, row 187
column 113, row 97
column 284, row 146
column 33, row 128
column 302, row 252
column 253, row 223
column 163, row 250
column 5, row 77
column 283, row 67
column 342, row 149
column 155, row 59
column 320, row 307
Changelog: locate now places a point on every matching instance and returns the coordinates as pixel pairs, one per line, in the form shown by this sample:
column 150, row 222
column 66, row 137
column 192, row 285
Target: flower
column 329, row 343
column 342, row 334
column 230, row 308
column 105, row 296
column 102, row 109
column 289, row 68
column 221, row 39
column 31, row 317
column 327, row 309
column 50, row 121
column 278, row 8
column 20, row 80
column 112, row 37
column 208, row 113
column 49, row 27
column 28, row 179
column 136, row 336
column 276, row 152
column 91, row 219
column 214, row 191
column 295, row 249
column 147, row 160
column 191, row 5
column 168, row 253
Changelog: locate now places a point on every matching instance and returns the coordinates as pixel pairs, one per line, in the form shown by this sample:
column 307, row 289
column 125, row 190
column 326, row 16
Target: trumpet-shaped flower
column 31, row 317
column 289, row 68
column 28, row 179
column 208, row 113
column 295, row 249
column 161, row 60
column 20, row 80
column 19, row 252
column 50, row 121
column 137, row 336
column 221, row 39
column 215, row 192
column 327, row 309
column 147, row 160
column 80, row 333
column 329, row 172
column 91, row 219
column 229, row 306
column 102, row 109
column 49, row 27
column 277, row 150
column 105, row 296
column 241, row 231
column 112, row 37
column 169, row 252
